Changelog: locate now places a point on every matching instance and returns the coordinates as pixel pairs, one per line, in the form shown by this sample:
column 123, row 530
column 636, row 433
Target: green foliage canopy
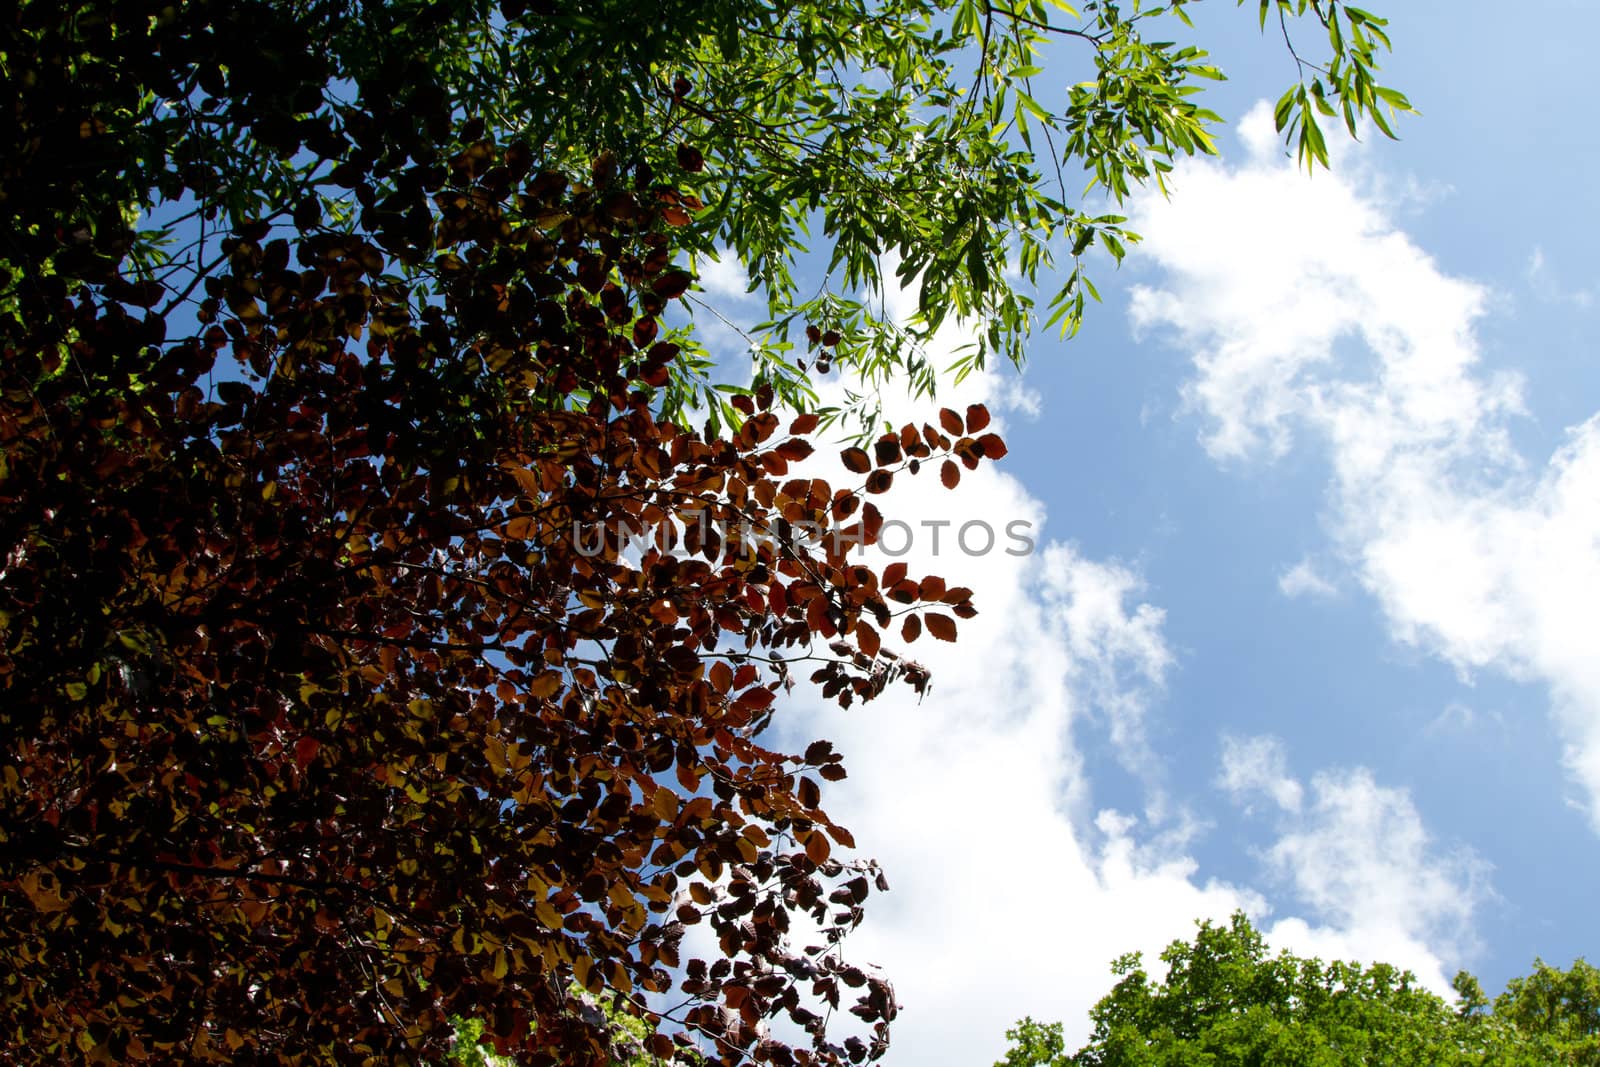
column 1227, row 1002
column 916, row 133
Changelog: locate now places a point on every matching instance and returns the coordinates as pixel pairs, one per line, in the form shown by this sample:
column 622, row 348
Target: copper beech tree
column 339, row 698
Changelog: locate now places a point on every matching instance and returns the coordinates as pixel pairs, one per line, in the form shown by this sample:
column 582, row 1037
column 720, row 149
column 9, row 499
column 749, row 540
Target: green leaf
column 1284, row 108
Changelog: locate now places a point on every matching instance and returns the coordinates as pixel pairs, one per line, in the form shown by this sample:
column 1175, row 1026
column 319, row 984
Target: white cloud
column 724, row 311
column 1459, row 718
column 1357, row 854
column 1258, row 765
column 1324, row 319
column 1303, row 579
column 1118, row 656
column 1360, row 857
column 1012, row 394
column 723, row 277
column 1536, row 268
column 1550, row 288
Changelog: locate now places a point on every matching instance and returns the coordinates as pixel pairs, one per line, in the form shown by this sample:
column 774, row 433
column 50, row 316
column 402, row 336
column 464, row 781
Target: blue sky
column 1312, row 623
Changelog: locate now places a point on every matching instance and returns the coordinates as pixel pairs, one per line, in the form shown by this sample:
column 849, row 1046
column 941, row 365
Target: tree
column 370, row 719
column 908, row 132
column 1559, row 1011
column 344, row 359
column 1226, row 1002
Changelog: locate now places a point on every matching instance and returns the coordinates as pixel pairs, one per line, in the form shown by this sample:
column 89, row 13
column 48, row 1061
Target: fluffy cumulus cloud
column 1012, row 890
column 1356, row 853
column 1308, row 312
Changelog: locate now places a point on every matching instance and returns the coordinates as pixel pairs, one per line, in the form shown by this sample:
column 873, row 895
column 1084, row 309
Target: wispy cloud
column 1458, row 718
column 1258, row 766
column 1326, row 320
column 1303, row 579
column 1357, row 855
column 1548, row 286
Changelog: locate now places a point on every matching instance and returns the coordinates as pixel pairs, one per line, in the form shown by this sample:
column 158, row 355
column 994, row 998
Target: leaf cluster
column 915, row 142
column 340, row 701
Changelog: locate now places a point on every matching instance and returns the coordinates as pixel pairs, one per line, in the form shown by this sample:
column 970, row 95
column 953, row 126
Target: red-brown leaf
column 794, row 450
column 941, row 626
column 867, row 638
column 817, row 847
column 672, row 284
column 993, row 447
